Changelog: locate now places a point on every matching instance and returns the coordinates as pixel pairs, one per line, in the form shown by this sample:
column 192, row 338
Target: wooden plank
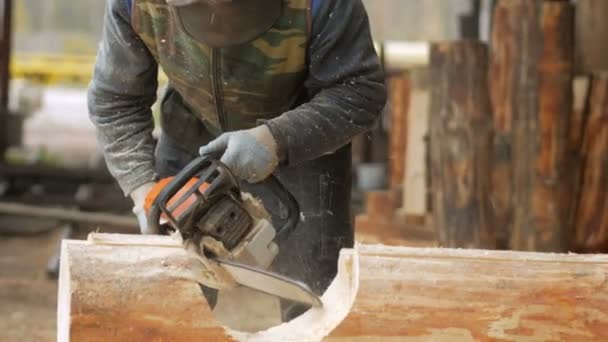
column 415, row 188
column 591, row 36
column 128, row 223
column 592, row 212
column 399, row 104
column 531, row 90
column 380, row 294
column 461, row 145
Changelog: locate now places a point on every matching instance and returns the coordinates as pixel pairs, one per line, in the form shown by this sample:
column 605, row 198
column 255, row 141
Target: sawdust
column 247, row 310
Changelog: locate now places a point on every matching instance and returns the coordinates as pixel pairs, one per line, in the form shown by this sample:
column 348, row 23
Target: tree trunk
column 591, row 36
column 531, row 89
column 144, row 289
column 461, row 145
column 592, row 212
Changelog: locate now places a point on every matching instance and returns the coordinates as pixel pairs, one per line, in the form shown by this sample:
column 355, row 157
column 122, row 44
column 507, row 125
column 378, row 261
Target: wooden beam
column 461, row 145
column 531, row 90
column 399, row 104
column 592, row 212
column 145, row 290
column 128, row 223
column 415, row 188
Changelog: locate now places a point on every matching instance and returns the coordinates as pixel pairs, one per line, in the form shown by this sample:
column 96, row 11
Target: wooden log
column 591, row 36
column 531, row 90
column 461, row 145
column 145, row 290
column 399, row 104
column 592, row 212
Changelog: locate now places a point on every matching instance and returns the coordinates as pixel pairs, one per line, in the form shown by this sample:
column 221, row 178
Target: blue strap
column 316, row 4
column 129, row 4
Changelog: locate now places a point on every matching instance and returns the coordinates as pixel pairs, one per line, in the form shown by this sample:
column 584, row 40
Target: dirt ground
column 27, row 295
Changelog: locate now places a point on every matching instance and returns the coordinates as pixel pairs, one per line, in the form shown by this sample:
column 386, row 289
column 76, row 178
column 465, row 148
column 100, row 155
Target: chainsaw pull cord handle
column 290, row 202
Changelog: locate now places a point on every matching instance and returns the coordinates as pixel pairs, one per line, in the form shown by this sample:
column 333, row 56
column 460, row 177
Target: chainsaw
column 230, row 230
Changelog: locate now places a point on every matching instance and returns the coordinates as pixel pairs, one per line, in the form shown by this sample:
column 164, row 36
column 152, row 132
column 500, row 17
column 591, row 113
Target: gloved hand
column 139, row 196
column 251, row 155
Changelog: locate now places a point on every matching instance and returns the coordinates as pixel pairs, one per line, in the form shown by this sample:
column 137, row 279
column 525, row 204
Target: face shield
column 223, row 23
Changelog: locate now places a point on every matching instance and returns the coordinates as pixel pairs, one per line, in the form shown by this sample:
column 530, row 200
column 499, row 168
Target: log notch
column 531, row 90
column 145, row 292
column 461, row 145
column 591, row 36
column 592, row 212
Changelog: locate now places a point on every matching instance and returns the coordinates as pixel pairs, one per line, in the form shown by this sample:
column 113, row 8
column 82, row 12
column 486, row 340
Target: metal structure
column 5, row 52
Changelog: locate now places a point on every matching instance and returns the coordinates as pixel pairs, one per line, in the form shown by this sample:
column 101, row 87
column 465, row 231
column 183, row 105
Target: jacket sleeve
column 345, row 84
column 120, row 98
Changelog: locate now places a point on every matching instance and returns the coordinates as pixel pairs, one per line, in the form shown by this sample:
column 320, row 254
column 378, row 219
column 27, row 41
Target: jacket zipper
column 216, row 72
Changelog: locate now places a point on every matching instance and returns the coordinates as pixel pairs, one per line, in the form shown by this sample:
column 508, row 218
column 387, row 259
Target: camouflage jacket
column 332, row 90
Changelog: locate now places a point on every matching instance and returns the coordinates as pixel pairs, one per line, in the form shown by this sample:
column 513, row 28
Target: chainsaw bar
column 270, row 283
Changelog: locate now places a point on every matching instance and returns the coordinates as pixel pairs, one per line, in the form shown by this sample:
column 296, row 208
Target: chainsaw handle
column 293, row 208
column 191, row 170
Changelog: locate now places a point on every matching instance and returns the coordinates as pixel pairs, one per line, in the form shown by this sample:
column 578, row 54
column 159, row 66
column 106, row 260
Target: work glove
column 139, row 197
column 251, row 155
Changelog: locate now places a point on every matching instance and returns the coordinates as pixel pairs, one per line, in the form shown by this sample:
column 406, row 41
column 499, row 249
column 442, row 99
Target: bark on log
column 531, row 89
column 461, row 145
column 591, row 36
column 592, row 212
column 399, row 101
column 144, row 291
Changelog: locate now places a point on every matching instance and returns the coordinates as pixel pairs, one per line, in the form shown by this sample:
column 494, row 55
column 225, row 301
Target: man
column 284, row 85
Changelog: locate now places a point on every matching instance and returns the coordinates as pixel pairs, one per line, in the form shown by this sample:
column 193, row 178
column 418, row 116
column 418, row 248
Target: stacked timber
column 142, row 288
column 523, row 171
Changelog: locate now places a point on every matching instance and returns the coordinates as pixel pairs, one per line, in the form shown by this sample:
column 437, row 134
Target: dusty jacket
column 343, row 93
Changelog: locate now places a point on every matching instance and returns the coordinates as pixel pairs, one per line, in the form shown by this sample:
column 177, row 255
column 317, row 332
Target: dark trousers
column 322, row 188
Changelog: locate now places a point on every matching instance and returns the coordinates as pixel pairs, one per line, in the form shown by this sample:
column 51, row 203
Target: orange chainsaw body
column 182, row 208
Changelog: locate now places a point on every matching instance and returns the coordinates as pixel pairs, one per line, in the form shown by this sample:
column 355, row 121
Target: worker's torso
column 230, row 88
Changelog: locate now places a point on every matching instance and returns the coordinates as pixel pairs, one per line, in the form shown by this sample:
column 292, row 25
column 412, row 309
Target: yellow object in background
column 52, row 69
